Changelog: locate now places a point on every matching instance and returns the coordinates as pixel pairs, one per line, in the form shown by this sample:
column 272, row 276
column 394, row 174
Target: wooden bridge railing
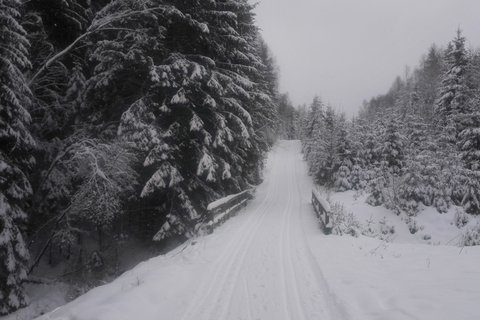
column 222, row 209
column 323, row 211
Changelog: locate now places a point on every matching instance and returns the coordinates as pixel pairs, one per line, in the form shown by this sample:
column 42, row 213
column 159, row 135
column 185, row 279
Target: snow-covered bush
column 378, row 229
column 411, row 191
column 358, row 177
column 376, row 188
column 369, row 229
column 344, row 222
column 461, row 218
column 413, row 227
column 386, row 230
column 390, row 195
column 342, row 182
column 471, row 236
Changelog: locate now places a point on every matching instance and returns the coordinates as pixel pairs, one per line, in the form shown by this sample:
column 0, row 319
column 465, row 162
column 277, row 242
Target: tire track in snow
column 268, row 210
column 208, row 295
column 291, row 293
column 271, row 252
column 229, row 291
column 325, row 303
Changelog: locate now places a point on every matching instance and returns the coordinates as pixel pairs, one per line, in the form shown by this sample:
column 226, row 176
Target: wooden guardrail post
column 323, row 211
column 222, row 209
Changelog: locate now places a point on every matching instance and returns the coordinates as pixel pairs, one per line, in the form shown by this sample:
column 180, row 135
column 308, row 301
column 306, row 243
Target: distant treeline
column 417, row 145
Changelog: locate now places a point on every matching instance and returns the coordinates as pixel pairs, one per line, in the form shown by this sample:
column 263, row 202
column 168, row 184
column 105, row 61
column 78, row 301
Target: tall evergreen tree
column 454, row 92
column 311, row 129
column 469, row 145
column 392, row 149
column 16, row 145
column 429, row 80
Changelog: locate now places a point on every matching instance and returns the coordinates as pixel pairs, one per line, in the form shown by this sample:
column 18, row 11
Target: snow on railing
column 323, row 211
column 222, row 209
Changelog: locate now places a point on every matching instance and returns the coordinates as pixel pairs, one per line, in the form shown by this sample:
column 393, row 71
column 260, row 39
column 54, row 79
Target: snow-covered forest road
column 272, row 262
column 258, row 265
column 265, row 269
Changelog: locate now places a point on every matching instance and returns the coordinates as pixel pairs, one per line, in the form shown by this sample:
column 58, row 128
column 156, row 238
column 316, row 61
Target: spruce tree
column 206, row 108
column 16, row 144
column 326, row 157
column 454, row 91
column 392, row 148
column 469, row 145
column 311, row 130
column 429, row 80
column 346, row 158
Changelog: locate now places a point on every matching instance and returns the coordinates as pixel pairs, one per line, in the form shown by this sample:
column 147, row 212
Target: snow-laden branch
column 96, row 26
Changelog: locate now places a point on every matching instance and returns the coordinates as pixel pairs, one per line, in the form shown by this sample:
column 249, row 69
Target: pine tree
column 287, row 115
column 64, row 19
column 429, row 80
column 311, row 132
column 469, row 145
column 392, row 148
column 48, row 110
column 205, row 108
column 376, row 187
column 345, row 158
column 454, row 92
column 16, row 145
column 127, row 53
column 326, row 158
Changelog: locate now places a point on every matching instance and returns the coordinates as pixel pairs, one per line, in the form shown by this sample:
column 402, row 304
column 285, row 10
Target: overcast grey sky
column 350, row 50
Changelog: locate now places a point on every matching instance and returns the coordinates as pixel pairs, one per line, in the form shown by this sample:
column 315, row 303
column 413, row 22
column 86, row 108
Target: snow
column 179, row 97
column 271, row 261
column 224, row 214
column 44, row 298
column 439, row 229
column 196, row 124
column 378, row 280
column 208, row 165
column 217, row 203
column 322, row 201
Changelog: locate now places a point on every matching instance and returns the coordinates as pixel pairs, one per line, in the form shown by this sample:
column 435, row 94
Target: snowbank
column 433, row 228
column 379, row 280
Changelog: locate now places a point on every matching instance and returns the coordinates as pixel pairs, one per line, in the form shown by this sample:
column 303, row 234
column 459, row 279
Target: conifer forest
column 121, row 121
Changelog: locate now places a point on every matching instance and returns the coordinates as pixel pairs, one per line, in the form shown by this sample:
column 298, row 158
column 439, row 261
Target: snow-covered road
column 272, row 261
column 256, row 266
column 265, row 269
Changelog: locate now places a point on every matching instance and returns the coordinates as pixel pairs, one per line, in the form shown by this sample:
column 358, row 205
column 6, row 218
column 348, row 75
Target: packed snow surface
column 271, row 262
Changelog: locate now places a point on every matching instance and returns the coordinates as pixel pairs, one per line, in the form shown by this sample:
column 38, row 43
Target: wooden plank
column 323, row 211
column 223, row 209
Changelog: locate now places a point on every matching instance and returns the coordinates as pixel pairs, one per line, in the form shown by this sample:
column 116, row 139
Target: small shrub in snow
column 461, row 218
column 376, row 188
column 385, row 229
column 341, row 179
column 369, row 229
column 411, row 190
column 413, row 227
column 358, row 178
column 343, row 222
column 381, row 229
column 471, row 236
column 427, row 237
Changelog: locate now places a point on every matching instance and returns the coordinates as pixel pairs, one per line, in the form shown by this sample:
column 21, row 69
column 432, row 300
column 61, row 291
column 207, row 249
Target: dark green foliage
column 16, row 145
